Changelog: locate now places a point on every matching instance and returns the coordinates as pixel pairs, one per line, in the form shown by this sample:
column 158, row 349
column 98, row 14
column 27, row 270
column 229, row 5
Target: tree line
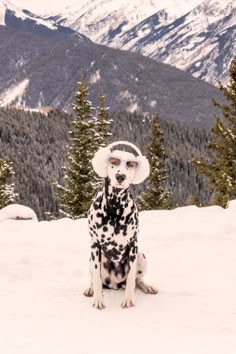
column 178, row 175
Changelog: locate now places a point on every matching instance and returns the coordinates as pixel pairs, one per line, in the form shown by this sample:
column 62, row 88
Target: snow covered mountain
column 8, row 9
column 43, row 68
column 194, row 35
column 201, row 42
column 105, row 21
column 14, row 17
column 33, row 57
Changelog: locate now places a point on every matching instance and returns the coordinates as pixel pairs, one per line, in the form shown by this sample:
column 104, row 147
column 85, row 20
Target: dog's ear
column 100, row 161
column 142, row 171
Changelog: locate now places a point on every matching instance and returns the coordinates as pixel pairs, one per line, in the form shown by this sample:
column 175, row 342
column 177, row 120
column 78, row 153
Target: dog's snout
column 120, row 178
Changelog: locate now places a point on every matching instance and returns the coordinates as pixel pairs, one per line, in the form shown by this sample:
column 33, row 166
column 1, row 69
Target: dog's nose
column 120, row 178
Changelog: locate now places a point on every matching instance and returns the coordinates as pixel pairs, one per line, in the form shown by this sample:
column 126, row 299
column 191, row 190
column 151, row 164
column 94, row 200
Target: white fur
column 122, row 169
column 137, row 265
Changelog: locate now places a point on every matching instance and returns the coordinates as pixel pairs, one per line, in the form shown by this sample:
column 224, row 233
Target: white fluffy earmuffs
column 101, row 159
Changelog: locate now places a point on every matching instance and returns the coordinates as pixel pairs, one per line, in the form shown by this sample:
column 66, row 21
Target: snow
column 153, row 103
column 130, row 26
column 191, row 254
column 5, row 4
column 42, row 6
column 94, row 18
column 17, row 211
column 13, row 93
column 95, row 77
column 133, row 107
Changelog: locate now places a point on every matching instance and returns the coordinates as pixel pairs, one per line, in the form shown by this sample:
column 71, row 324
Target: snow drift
column 191, row 255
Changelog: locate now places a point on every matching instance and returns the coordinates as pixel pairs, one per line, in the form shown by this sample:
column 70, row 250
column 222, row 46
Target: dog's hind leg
column 141, row 270
column 89, row 292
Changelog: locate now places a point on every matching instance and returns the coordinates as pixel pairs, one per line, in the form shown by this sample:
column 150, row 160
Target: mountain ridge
column 41, row 67
column 212, row 24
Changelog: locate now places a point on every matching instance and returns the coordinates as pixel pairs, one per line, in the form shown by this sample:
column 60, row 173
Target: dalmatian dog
column 113, row 226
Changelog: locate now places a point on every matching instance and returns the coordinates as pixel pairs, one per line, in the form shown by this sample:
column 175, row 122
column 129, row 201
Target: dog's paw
column 88, row 292
column 127, row 302
column 98, row 303
column 150, row 290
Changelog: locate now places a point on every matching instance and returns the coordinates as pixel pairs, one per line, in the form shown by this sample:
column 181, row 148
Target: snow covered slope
column 191, row 254
column 194, row 35
column 7, row 8
column 201, row 42
column 104, row 21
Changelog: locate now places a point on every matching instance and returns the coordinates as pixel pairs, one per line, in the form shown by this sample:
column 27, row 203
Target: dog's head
column 122, row 167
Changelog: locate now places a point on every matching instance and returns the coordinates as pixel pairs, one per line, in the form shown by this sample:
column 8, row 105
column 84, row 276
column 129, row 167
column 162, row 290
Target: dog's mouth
column 119, row 185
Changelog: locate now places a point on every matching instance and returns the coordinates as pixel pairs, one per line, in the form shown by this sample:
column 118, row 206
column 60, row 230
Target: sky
column 42, row 5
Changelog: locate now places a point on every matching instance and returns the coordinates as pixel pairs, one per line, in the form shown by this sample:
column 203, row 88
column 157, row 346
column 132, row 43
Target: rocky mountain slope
column 194, row 35
column 40, row 67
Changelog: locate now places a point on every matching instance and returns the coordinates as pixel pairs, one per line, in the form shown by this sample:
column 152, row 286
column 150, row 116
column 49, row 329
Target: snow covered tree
column 80, row 180
column 7, row 194
column 156, row 196
column 221, row 171
column 103, row 123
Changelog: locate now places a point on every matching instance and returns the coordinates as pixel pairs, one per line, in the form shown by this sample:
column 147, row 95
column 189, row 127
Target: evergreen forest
column 37, row 144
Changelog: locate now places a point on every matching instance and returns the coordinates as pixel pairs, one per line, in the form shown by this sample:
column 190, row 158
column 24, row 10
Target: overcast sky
column 42, row 5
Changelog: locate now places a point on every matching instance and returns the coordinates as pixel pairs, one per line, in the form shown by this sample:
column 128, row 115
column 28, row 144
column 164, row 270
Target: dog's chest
column 114, row 224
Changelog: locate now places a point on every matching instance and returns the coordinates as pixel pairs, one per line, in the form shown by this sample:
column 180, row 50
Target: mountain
column 105, row 21
column 194, row 35
column 40, row 67
column 14, row 17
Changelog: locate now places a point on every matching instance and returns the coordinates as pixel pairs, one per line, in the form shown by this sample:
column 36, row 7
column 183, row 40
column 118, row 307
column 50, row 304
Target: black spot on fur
column 132, row 258
column 107, row 280
column 109, row 208
column 121, row 284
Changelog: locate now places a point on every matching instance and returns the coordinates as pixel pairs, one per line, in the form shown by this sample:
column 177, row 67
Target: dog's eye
column 132, row 164
column 114, row 161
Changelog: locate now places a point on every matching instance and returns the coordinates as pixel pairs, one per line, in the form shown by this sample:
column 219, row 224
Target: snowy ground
column 192, row 261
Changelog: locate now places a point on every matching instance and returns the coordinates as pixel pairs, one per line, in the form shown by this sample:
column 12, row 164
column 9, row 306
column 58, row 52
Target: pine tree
column 7, row 195
column 80, row 181
column 103, row 123
column 156, row 196
column 221, row 171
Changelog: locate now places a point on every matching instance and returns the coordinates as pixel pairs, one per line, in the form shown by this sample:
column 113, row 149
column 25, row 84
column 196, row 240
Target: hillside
column 197, row 36
column 40, row 67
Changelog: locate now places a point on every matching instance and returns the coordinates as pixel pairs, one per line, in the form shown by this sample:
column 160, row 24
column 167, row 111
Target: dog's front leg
column 96, row 275
column 128, row 300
